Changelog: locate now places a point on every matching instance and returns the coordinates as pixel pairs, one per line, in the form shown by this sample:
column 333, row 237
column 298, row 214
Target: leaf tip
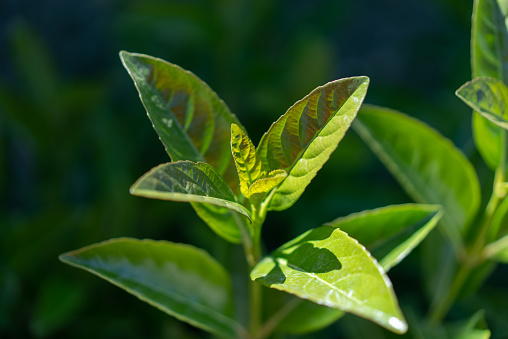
column 398, row 325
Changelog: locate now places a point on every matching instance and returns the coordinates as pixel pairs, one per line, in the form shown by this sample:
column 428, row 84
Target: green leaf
column 301, row 141
column 178, row 279
column 187, row 181
column 390, row 233
column 498, row 250
column 426, row 164
column 192, row 122
column 488, row 97
column 489, row 57
column 328, row 267
column 473, row 328
column 262, row 186
column 248, row 163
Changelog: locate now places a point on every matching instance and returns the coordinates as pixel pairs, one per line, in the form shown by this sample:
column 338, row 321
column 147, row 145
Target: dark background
column 74, row 135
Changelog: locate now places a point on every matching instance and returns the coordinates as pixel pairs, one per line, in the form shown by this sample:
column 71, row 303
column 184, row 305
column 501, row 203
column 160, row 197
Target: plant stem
column 255, row 298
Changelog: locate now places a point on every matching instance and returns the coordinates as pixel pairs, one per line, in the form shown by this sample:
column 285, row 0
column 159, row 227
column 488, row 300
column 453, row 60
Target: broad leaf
column 187, row 181
column 301, row 141
column 426, row 164
column 192, row 122
column 498, row 250
column 390, row 233
column 178, row 279
column 487, row 96
column 328, row 267
column 248, row 163
column 489, row 57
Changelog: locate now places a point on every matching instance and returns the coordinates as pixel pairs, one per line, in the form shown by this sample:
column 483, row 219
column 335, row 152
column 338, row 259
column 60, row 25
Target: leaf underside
column 178, row 279
column 301, row 140
column 192, row 122
column 330, row 268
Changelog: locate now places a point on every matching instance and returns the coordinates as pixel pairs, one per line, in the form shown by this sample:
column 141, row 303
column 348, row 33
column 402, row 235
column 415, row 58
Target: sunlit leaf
column 301, row 141
column 328, row 267
column 489, row 57
column 426, row 164
column 187, row 181
column 488, row 97
column 262, row 186
column 178, row 279
column 193, row 123
column 247, row 161
column 390, row 233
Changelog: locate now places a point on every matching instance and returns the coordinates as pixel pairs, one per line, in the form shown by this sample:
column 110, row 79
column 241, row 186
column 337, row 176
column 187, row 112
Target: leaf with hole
column 302, row 140
column 178, row 279
column 328, row 267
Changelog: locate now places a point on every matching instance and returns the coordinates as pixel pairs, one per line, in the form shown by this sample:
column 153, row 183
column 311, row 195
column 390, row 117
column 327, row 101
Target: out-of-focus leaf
column 499, row 225
column 187, row 181
column 301, row 141
column 178, row 279
column 497, row 250
column 193, row 123
column 474, row 328
column 248, row 163
column 328, row 267
column 427, row 165
column 390, row 233
column 489, row 57
column 488, row 97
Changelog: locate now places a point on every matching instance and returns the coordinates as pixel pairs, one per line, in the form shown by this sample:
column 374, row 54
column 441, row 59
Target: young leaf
column 426, row 164
column 192, row 122
column 489, row 52
column 178, row 279
column 488, row 97
column 187, row 181
column 390, row 233
column 328, row 267
column 301, row 141
column 262, row 186
column 248, row 163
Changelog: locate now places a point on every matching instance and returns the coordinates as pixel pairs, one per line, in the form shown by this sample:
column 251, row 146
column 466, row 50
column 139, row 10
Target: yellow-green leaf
column 262, row 186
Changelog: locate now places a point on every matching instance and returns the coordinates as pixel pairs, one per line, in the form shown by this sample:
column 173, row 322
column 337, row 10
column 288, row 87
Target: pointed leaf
column 328, row 267
column 187, row 181
column 248, row 163
column 178, row 279
column 489, row 57
column 390, row 233
column 301, row 141
column 262, row 186
column 192, row 122
column 426, row 164
column 487, row 96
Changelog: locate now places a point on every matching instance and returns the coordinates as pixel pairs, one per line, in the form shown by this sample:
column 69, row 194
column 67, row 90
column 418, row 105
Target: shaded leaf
column 248, row 163
column 192, row 122
column 498, row 250
column 489, row 57
column 187, row 181
column 427, row 165
column 488, row 97
column 390, row 233
column 301, row 140
column 178, row 279
column 328, row 267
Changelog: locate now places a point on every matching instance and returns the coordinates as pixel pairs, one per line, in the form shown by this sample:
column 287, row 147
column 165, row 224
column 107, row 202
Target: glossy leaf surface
column 248, row 163
column 390, row 233
column 178, row 279
column 301, row 140
column 192, row 122
column 489, row 57
column 427, row 165
column 187, row 181
column 328, row 267
column 488, row 97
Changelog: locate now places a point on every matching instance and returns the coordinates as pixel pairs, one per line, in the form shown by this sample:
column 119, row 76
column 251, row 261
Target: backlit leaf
column 489, row 57
column 187, row 181
column 301, row 141
column 328, row 267
column 262, row 186
column 192, row 122
column 488, row 97
column 426, row 164
column 178, row 279
column 390, row 233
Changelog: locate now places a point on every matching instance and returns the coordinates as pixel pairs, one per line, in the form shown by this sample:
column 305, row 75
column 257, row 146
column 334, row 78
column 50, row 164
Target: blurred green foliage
column 74, row 136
